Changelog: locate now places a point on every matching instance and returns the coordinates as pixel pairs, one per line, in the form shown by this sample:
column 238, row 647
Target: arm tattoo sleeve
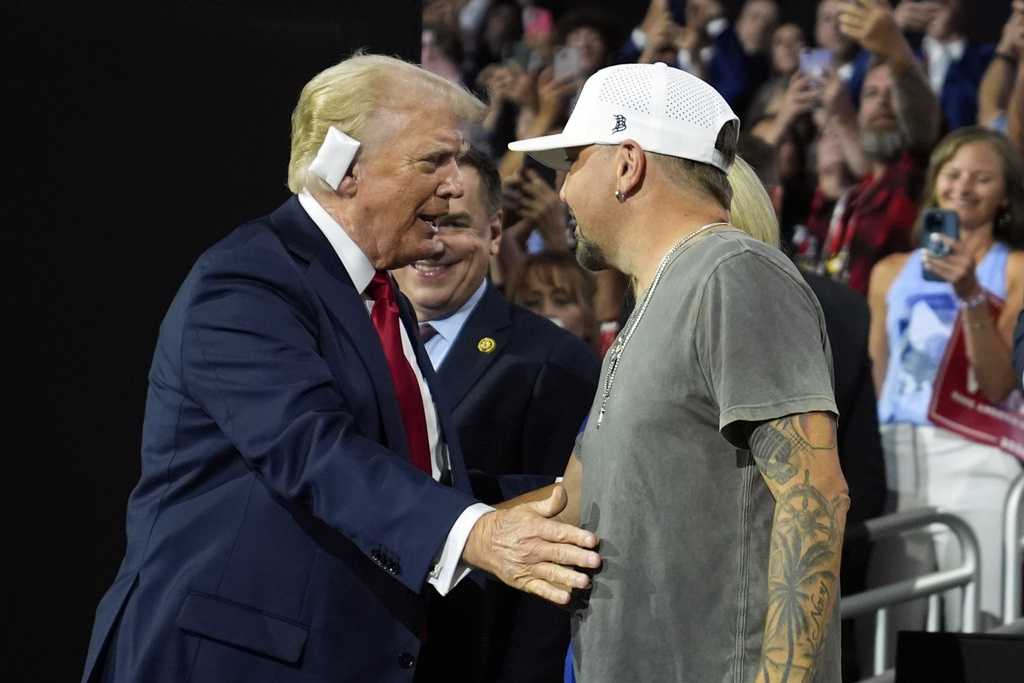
column 807, row 535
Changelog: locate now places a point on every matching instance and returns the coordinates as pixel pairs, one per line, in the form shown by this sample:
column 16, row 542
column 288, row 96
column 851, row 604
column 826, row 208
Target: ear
column 630, row 167
column 348, row 185
column 496, row 232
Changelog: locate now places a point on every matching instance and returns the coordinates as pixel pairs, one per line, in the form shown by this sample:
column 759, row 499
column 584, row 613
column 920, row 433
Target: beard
column 590, row 255
column 883, row 146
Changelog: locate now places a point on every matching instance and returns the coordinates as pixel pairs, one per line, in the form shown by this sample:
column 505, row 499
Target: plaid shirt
column 877, row 220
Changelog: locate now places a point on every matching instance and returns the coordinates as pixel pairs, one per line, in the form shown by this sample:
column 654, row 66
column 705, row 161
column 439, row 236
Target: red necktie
column 389, row 327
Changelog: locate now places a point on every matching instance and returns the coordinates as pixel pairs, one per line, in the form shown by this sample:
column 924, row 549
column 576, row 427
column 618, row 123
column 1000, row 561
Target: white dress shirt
column 938, row 57
column 448, row 570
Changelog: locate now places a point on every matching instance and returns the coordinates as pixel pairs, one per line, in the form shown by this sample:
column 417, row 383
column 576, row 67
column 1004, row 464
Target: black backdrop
column 136, row 137
column 141, row 135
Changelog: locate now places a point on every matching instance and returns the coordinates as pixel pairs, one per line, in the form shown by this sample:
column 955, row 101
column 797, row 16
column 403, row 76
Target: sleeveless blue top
column 919, row 322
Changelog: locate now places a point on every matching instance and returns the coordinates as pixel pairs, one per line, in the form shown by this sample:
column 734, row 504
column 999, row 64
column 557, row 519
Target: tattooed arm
column 798, row 459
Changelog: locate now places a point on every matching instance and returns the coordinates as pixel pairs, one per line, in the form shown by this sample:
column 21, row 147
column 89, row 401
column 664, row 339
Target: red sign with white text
column 957, row 404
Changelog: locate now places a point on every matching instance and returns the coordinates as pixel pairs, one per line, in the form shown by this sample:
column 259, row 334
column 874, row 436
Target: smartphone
column 814, row 61
column 941, row 222
column 518, row 52
column 568, row 61
column 537, row 22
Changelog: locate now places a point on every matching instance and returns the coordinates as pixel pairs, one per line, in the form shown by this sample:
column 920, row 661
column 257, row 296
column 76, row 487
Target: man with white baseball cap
column 708, row 467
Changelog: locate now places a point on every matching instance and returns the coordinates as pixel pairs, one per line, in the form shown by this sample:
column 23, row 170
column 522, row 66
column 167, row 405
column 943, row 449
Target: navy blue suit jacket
column 1018, row 348
column 735, row 74
column 517, row 409
column 279, row 530
column 959, row 94
column 847, row 320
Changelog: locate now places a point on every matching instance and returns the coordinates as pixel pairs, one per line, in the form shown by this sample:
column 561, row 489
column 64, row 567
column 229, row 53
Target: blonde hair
column 1008, row 225
column 349, row 94
column 751, row 210
column 696, row 176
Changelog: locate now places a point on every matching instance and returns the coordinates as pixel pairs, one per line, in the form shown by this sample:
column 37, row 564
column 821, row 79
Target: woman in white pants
column 915, row 299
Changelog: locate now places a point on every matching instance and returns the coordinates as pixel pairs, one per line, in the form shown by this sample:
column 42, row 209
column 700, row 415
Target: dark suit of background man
column 519, row 388
column 847, row 321
column 1018, row 348
column 280, row 530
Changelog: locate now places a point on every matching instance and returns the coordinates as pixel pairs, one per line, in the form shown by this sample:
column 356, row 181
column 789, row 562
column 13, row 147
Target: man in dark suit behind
column 293, row 511
column 519, row 387
column 1018, row 348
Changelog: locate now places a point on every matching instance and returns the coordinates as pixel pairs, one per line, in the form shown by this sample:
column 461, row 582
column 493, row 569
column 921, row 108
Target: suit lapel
column 469, row 356
column 334, row 287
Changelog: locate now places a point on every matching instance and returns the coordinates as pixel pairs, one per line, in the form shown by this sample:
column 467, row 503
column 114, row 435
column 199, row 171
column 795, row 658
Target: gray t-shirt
column 732, row 334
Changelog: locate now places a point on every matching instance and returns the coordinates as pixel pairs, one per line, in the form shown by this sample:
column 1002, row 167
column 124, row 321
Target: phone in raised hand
column 568, row 62
column 938, row 222
column 814, row 61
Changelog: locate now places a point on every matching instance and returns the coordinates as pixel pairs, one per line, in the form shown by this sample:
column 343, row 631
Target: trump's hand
column 523, row 547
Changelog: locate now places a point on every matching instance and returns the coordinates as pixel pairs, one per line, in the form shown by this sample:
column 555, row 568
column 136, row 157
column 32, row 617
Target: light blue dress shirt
column 448, row 328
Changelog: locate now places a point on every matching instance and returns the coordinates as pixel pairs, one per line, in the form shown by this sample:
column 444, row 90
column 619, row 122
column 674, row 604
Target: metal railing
column 1013, row 551
column 931, row 585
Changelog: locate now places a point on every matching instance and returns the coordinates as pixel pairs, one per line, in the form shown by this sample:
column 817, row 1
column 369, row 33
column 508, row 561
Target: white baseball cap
column 665, row 110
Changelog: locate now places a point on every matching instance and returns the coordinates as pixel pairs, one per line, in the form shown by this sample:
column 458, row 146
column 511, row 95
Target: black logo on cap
column 620, row 123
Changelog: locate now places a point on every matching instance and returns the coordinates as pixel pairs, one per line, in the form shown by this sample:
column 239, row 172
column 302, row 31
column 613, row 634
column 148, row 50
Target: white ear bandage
column 334, row 158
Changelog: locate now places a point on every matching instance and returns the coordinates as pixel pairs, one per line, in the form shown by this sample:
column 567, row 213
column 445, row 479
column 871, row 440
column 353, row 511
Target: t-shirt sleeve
column 761, row 344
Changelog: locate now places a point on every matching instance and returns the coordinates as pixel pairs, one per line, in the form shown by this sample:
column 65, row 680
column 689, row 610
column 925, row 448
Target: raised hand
column 656, row 12
column 956, row 267
column 1011, row 41
column 542, row 208
column 663, row 35
column 915, row 15
column 553, row 93
column 508, row 81
column 873, row 25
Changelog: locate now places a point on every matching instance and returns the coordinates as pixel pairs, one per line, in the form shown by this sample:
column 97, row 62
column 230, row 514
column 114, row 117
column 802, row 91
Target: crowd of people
column 851, row 159
column 857, row 131
column 644, row 322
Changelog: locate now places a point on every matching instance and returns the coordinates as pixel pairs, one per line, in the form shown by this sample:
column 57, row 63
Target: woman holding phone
column 922, row 300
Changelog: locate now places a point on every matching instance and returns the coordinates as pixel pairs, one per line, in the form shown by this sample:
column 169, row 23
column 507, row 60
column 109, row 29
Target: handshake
column 524, row 544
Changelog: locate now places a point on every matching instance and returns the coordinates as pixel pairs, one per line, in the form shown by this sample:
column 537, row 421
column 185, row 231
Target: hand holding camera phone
column 568, row 62
column 519, row 53
column 938, row 222
column 815, row 61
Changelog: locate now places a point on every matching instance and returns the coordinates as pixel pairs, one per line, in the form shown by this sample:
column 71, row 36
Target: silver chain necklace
column 636, row 315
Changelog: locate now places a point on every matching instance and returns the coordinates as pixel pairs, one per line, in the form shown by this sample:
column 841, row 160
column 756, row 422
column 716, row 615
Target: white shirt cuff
column 449, row 568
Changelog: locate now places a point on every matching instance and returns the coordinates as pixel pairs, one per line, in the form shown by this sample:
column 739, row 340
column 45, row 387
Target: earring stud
column 621, row 197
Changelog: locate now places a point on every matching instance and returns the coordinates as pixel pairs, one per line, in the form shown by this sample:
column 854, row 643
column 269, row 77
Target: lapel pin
column 485, row 345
